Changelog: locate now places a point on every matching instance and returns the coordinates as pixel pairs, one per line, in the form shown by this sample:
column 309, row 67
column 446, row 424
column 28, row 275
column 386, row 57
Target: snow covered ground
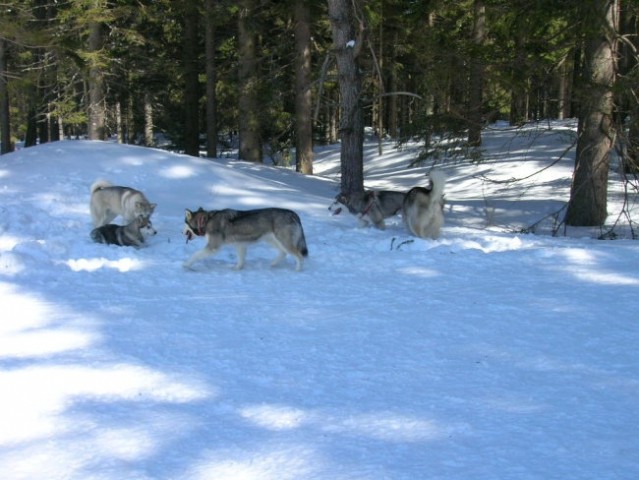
column 485, row 354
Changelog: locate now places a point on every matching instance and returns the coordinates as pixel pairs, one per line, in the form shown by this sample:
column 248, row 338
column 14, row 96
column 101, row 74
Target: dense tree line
column 273, row 78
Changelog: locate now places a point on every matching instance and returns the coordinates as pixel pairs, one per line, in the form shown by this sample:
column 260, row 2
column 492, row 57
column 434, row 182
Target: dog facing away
column 370, row 206
column 131, row 235
column 280, row 227
column 422, row 209
column 108, row 201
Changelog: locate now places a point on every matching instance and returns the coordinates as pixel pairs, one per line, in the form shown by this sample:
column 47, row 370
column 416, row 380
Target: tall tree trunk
column 393, row 116
column 119, row 122
column 210, row 14
column 347, row 43
column 562, row 93
column 628, row 101
column 589, row 190
column 96, row 106
column 249, row 118
column 191, row 81
column 6, row 145
column 31, row 135
column 379, row 106
column 149, row 140
column 303, row 100
column 519, row 102
column 477, row 77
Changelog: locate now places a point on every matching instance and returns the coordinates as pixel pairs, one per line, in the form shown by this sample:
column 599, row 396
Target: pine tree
column 347, row 45
column 588, row 194
column 303, row 100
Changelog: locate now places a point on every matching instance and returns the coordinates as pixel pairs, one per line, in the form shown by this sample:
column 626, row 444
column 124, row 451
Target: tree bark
column 303, row 99
column 191, row 81
column 149, row 140
column 477, row 77
column 393, row 111
column 96, row 106
column 628, row 102
column 6, row 145
column 520, row 83
column 589, row 190
column 249, row 118
column 347, row 43
column 210, row 7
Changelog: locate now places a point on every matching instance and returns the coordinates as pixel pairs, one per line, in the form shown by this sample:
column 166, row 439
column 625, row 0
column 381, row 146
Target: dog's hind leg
column 281, row 256
column 294, row 251
column 277, row 243
column 102, row 218
column 381, row 224
column 299, row 261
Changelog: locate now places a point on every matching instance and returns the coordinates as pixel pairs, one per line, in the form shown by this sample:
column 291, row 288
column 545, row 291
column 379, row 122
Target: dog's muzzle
column 188, row 232
column 335, row 208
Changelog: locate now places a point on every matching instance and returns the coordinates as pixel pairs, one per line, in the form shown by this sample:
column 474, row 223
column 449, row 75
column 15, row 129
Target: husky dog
column 109, row 201
column 370, row 206
column 130, row 235
column 422, row 210
column 280, row 227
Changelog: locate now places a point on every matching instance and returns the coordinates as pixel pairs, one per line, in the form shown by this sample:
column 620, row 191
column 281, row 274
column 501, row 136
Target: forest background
column 272, row 79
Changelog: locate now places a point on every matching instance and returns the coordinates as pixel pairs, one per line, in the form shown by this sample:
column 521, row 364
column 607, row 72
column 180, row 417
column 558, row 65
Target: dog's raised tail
column 437, row 181
column 98, row 184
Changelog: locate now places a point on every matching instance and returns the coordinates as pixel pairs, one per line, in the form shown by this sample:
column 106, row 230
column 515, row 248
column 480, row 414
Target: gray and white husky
column 131, row 235
column 280, row 227
column 370, row 206
column 422, row 210
column 108, row 201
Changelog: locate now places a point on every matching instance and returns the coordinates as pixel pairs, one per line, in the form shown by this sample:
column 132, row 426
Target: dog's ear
column 153, row 205
column 188, row 214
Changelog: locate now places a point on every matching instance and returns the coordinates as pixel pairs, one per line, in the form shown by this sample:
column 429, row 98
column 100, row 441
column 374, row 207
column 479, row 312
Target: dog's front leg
column 241, row 256
column 205, row 252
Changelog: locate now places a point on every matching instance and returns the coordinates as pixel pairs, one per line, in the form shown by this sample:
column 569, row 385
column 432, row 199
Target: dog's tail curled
column 98, row 184
column 437, row 181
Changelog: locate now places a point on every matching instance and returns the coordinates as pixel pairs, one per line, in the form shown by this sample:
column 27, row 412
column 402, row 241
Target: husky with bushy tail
column 279, row 227
column 422, row 210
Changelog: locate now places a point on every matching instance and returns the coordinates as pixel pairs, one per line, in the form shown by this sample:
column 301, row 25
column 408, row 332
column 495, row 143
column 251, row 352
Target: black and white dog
column 130, row 235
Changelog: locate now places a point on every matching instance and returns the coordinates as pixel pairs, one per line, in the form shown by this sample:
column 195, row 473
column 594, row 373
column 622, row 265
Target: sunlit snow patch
column 92, row 264
column 274, row 417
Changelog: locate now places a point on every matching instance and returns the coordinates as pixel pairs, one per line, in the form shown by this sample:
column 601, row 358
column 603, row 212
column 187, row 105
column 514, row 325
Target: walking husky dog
column 370, row 206
column 422, row 210
column 280, row 227
column 108, row 201
column 130, row 235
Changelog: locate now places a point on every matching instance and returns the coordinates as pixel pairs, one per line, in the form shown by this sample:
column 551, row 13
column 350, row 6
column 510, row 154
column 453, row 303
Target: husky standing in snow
column 422, row 210
column 280, row 227
column 108, row 201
